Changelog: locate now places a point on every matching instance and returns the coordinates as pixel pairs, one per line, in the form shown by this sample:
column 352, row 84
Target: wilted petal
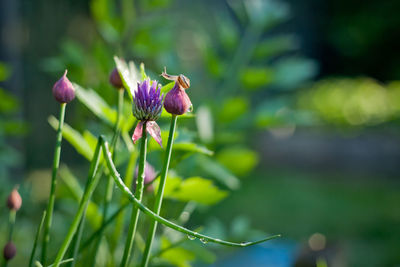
column 137, row 134
column 154, row 130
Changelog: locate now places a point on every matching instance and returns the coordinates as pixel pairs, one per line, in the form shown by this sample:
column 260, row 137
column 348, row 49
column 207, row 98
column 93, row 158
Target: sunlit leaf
column 254, row 78
column 196, row 189
column 239, row 160
column 192, row 147
column 129, row 74
column 74, row 138
column 233, row 108
column 177, row 256
column 96, row 104
column 219, row 172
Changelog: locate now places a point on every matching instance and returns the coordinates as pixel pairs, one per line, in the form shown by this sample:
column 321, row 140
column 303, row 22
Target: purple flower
column 147, row 108
column 63, row 91
column 177, row 102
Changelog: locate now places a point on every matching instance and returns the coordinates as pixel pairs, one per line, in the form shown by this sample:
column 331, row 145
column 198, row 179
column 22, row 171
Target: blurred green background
column 300, row 100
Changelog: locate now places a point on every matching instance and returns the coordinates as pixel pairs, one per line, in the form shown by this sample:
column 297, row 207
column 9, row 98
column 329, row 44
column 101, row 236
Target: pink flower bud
column 14, row 200
column 115, row 79
column 63, row 91
column 177, row 102
column 9, row 251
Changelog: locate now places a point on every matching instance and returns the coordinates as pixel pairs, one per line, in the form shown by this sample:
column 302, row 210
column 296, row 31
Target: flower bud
column 177, row 102
column 14, row 200
column 9, row 251
column 115, row 79
column 63, row 91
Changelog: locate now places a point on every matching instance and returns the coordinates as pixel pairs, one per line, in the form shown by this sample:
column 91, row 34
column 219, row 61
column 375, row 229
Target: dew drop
column 191, row 237
column 203, row 240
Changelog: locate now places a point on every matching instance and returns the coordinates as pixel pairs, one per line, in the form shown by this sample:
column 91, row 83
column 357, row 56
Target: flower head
column 63, row 91
column 147, row 108
column 177, row 102
column 115, row 79
column 14, row 200
column 9, row 251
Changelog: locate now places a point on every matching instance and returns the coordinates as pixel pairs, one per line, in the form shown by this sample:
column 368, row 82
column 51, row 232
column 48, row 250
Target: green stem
column 121, row 218
column 37, row 239
column 103, row 226
column 138, row 194
column 109, row 186
column 160, row 193
column 11, row 223
column 50, row 205
column 125, row 190
column 91, row 184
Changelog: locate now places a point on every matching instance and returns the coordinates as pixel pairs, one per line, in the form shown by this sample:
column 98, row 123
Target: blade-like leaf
column 129, row 74
column 96, row 104
column 74, row 138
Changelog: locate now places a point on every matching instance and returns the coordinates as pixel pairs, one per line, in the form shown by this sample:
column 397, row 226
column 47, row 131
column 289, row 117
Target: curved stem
column 91, row 184
column 125, row 190
column 50, row 205
column 138, row 194
column 160, row 193
column 109, row 186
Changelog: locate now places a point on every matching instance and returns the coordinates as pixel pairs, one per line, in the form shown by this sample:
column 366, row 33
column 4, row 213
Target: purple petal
column 137, row 134
column 154, row 130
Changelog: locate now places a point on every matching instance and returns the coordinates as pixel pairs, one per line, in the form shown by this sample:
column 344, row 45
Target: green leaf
column 143, row 74
column 128, row 73
column 177, row 256
column 192, row 147
column 166, row 88
column 219, row 172
column 255, row 78
column 233, row 108
column 72, row 184
column 292, row 72
column 5, row 72
column 239, row 160
column 96, row 104
column 74, row 138
column 196, row 189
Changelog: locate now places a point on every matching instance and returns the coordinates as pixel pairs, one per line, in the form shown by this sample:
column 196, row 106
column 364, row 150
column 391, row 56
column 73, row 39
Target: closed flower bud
column 14, row 200
column 177, row 102
column 63, row 91
column 9, row 251
column 115, row 79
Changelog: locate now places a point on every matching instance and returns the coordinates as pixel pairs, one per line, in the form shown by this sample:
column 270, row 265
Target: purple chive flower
column 9, row 251
column 147, row 107
column 115, row 79
column 177, row 102
column 149, row 175
column 63, row 91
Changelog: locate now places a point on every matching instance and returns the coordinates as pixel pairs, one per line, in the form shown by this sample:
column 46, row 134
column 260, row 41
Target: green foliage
column 195, row 189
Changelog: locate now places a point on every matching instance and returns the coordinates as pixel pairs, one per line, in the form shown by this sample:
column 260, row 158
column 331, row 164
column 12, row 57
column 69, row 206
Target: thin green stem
column 11, row 223
column 125, row 190
column 109, row 186
column 138, row 193
column 91, row 184
column 123, row 201
column 103, row 226
column 36, row 239
column 52, row 197
column 160, row 193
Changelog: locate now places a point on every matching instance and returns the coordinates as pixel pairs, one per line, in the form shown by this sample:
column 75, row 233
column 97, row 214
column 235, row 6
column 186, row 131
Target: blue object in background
column 274, row 254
